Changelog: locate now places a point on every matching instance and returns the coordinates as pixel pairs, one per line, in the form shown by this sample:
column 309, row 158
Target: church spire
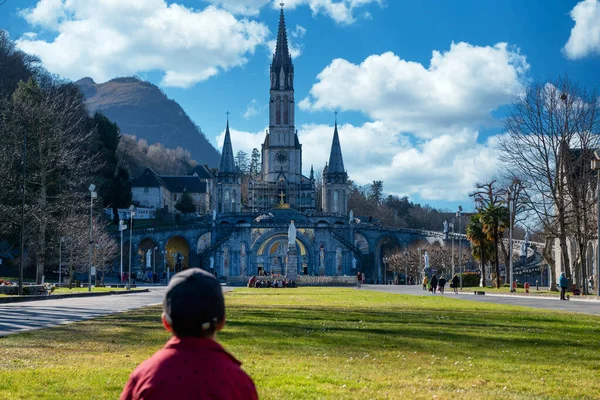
column 227, row 161
column 282, row 68
column 336, row 162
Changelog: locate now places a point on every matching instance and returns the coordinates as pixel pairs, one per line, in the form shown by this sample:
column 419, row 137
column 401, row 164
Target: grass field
column 321, row 343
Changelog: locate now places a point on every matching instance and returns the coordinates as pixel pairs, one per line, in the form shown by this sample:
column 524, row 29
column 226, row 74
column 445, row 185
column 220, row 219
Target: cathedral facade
column 281, row 182
column 236, row 240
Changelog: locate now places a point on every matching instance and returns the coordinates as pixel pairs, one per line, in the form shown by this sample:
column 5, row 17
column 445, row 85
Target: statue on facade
column 445, row 226
column 212, row 262
column 322, row 257
column 149, row 258
column 353, row 262
column 523, row 249
column 527, row 237
column 426, row 257
column 351, row 219
column 292, row 234
column 214, row 214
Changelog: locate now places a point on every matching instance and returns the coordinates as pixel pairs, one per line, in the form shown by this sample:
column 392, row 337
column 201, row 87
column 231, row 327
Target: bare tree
column 543, row 124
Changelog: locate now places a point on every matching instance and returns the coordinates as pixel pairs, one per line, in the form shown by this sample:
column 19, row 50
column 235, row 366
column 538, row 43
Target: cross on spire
column 282, row 4
column 227, row 114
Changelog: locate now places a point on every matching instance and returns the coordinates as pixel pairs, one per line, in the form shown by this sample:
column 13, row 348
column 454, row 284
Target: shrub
column 471, row 279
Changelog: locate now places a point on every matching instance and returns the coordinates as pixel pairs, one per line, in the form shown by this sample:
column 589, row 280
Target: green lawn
column 323, row 343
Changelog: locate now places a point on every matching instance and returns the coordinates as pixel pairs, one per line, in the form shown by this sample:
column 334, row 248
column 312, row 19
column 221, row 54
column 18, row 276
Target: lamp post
column 60, row 242
column 405, row 267
column 460, row 268
column 510, row 240
column 154, row 265
column 596, row 167
column 421, row 270
column 385, row 261
column 131, row 215
column 453, row 266
column 122, row 227
column 22, row 255
column 93, row 195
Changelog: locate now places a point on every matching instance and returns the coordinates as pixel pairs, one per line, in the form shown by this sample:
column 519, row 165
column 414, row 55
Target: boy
column 192, row 365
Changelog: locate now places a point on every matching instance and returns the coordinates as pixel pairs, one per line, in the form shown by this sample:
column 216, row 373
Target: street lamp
column 122, row 227
column 385, row 261
column 131, row 215
column 60, row 242
column 510, row 241
column 405, row 267
column 459, row 215
column 154, row 265
column 453, row 266
column 596, row 167
column 93, row 195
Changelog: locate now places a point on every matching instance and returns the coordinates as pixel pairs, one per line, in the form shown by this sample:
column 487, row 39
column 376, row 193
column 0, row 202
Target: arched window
column 278, row 110
column 226, row 201
column 233, row 200
column 286, row 107
column 336, row 198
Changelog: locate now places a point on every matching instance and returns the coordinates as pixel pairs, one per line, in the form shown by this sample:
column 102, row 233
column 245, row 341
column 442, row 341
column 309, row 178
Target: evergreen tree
column 185, row 204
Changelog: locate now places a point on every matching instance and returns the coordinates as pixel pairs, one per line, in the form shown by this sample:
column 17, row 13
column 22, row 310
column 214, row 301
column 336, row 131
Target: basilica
column 234, row 239
column 281, row 182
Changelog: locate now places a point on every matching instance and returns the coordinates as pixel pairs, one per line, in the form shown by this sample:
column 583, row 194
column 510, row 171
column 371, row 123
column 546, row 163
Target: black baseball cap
column 194, row 303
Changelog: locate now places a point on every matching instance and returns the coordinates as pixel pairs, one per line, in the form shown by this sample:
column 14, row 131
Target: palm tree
column 481, row 246
column 494, row 220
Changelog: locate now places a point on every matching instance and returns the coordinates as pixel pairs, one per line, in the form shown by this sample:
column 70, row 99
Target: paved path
column 19, row 317
column 581, row 306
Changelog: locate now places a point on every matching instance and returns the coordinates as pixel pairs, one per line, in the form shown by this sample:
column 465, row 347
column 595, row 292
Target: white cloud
column 422, row 138
column 341, row 11
column 46, row 13
column 251, row 110
column 299, row 32
column 585, row 35
column 443, row 168
column 459, row 89
column 107, row 38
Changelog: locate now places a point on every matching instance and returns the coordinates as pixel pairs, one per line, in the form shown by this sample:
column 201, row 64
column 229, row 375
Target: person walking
column 425, row 282
column 455, row 283
column 563, row 283
column 358, row 280
column 442, row 284
column 434, row 283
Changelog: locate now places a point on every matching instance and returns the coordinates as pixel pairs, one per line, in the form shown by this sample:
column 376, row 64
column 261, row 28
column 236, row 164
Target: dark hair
column 194, row 303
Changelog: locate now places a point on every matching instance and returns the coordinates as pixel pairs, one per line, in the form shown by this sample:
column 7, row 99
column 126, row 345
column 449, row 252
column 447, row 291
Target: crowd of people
column 254, row 282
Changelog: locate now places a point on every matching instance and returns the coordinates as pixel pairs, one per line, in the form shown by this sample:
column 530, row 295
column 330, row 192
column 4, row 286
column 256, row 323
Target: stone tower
column 229, row 180
column 335, row 179
column 281, row 150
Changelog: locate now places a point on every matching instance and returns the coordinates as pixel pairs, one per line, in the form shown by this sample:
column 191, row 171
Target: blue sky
column 421, row 86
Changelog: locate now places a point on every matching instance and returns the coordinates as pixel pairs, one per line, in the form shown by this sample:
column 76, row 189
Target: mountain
column 142, row 109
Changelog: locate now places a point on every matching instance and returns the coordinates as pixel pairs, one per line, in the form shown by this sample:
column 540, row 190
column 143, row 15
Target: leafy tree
column 493, row 215
column 113, row 180
column 186, row 204
column 255, row 163
column 241, row 161
column 482, row 248
column 377, row 192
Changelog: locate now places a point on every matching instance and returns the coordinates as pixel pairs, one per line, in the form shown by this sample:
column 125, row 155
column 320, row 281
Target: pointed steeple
column 336, row 162
column 227, row 162
column 282, row 66
column 312, row 173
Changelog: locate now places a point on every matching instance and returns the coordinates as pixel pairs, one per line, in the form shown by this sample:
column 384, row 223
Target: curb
column 20, row 299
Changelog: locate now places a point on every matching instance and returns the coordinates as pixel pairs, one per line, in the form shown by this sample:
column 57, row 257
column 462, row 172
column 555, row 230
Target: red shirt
column 190, row 368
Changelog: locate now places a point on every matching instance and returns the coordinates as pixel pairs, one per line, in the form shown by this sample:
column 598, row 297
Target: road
column 574, row 305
